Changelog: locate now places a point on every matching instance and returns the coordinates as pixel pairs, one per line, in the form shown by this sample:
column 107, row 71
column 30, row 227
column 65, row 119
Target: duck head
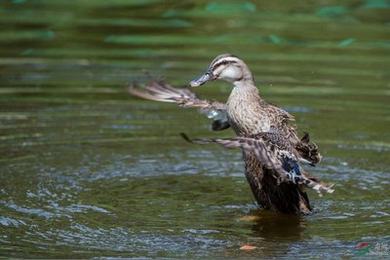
column 226, row 67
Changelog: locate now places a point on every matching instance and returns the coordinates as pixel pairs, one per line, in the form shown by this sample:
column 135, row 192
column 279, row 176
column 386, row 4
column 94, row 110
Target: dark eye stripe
column 223, row 62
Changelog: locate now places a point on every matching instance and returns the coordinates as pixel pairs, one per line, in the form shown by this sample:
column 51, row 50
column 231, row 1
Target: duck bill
column 201, row 80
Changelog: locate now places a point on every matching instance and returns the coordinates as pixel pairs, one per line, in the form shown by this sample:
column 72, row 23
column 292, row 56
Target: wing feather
column 256, row 146
column 273, row 156
column 163, row 92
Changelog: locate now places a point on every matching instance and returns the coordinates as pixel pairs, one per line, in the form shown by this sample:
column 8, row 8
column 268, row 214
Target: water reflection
column 273, row 227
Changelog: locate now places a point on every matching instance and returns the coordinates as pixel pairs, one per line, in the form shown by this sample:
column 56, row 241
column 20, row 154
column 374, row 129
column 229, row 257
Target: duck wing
column 163, row 92
column 282, row 122
column 274, row 153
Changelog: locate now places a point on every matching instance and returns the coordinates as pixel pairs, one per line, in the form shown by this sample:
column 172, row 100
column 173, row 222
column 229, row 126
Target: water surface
column 86, row 170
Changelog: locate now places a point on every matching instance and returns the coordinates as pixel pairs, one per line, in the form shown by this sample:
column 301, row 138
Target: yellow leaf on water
column 249, row 218
column 248, row 247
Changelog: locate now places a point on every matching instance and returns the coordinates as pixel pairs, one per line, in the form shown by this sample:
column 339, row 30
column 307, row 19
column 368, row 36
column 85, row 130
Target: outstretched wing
column 268, row 154
column 161, row 91
column 273, row 154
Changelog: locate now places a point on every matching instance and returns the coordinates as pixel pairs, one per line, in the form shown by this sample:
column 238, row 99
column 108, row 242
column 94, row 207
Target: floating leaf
column 275, row 39
column 218, row 7
column 250, row 218
column 346, row 42
column 18, row 1
column 248, row 247
column 377, row 4
column 332, row 11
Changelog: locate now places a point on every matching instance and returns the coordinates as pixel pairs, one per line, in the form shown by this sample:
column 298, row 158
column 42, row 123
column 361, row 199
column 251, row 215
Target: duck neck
column 246, row 88
column 245, row 109
column 244, row 83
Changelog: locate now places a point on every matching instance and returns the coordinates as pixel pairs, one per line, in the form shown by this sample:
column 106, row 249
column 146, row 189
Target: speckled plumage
column 272, row 151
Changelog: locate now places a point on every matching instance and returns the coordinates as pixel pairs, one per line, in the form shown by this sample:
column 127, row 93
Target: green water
column 86, row 170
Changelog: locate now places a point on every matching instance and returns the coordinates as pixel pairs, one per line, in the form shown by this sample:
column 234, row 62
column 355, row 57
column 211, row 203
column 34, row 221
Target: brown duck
column 272, row 151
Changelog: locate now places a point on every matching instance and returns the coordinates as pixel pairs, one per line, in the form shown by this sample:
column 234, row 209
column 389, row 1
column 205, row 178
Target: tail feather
column 316, row 185
column 308, row 150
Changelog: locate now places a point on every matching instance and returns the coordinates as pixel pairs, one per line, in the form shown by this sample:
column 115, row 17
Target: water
column 86, row 170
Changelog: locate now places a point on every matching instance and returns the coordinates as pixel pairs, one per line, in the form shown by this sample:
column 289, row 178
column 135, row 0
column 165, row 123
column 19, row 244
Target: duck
column 273, row 154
